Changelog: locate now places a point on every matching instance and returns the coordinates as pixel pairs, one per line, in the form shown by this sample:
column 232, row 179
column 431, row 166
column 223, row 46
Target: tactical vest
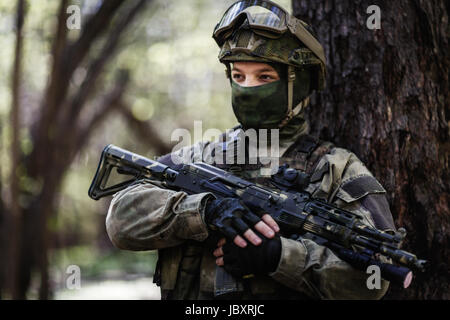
column 181, row 270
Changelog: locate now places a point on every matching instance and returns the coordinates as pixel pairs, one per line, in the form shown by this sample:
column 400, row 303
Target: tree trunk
column 53, row 148
column 3, row 246
column 387, row 99
column 15, row 211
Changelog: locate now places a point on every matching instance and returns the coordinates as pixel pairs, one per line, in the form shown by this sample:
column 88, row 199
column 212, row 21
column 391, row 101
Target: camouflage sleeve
column 147, row 217
column 314, row 269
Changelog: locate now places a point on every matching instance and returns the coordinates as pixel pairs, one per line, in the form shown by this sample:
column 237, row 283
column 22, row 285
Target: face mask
column 260, row 107
column 265, row 106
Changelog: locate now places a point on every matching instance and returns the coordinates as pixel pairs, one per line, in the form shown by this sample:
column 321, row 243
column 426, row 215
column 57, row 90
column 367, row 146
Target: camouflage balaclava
column 276, row 104
column 265, row 106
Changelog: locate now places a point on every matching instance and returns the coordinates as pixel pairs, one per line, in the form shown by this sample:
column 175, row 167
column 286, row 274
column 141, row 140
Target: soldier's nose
column 250, row 82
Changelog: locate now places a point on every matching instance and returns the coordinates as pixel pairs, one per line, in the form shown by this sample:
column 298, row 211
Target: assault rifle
column 297, row 214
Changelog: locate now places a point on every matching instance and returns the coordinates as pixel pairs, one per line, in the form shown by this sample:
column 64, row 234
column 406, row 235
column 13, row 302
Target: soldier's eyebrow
column 263, row 69
column 236, row 69
column 266, row 70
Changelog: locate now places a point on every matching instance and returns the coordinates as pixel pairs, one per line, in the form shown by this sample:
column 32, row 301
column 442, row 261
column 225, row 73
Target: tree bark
column 387, row 99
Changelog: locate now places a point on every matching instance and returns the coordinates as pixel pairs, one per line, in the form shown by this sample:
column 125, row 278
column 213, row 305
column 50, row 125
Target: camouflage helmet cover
column 296, row 47
column 246, row 45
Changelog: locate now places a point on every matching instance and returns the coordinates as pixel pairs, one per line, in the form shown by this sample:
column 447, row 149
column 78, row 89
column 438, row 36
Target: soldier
column 274, row 63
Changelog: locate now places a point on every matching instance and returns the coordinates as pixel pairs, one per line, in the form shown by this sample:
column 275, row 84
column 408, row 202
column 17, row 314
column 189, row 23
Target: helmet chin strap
column 291, row 113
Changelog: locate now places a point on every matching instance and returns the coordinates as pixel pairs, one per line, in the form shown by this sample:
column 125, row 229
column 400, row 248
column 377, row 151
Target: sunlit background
column 175, row 78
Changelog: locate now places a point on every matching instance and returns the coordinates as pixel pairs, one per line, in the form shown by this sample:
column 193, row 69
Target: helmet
column 262, row 31
column 246, row 45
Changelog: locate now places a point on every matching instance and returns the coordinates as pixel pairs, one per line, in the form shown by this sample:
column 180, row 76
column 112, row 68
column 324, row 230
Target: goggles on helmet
column 259, row 14
column 266, row 18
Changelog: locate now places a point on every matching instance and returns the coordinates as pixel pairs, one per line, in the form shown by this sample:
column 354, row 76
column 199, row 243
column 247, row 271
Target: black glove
column 229, row 216
column 258, row 260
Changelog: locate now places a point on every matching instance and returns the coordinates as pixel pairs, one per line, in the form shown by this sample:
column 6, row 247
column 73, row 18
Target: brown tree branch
column 111, row 102
column 96, row 67
column 59, row 43
column 73, row 54
column 3, row 243
column 146, row 132
column 15, row 210
column 62, row 70
column 46, row 141
column 95, row 26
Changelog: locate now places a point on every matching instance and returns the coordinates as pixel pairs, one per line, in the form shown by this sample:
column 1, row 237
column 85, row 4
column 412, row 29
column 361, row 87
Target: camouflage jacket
column 147, row 217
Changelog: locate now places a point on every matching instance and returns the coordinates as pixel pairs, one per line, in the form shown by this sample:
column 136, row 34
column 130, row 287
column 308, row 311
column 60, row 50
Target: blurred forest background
column 136, row 70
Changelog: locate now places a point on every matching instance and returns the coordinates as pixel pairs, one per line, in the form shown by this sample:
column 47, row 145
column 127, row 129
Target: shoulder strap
column 235, row 166
column 306, row 152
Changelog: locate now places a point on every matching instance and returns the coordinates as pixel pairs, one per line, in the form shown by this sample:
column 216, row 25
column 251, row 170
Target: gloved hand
column 258, row 260
column 229, row 216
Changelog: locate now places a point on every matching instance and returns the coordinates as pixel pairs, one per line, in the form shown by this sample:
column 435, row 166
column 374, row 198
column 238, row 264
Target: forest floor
column 103, row 275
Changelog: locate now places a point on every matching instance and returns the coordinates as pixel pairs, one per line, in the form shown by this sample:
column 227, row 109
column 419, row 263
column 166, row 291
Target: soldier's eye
column 267, row 77
column 237, row 76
